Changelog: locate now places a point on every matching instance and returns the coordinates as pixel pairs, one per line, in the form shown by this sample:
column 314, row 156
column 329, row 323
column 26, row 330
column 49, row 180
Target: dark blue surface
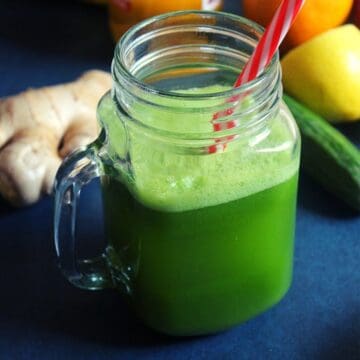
column 43, row 317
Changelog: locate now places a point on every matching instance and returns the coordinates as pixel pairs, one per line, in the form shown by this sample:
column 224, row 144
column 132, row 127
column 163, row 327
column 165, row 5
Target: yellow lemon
column 324, row 73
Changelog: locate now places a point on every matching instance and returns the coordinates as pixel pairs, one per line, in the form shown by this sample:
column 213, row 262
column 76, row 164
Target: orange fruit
column 125, row 13
column 315, row 17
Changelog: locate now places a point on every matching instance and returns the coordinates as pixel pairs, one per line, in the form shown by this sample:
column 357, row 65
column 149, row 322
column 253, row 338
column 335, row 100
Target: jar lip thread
column 119, row 66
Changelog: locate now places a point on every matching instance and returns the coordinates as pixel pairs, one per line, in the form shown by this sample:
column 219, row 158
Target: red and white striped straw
column 260, row 58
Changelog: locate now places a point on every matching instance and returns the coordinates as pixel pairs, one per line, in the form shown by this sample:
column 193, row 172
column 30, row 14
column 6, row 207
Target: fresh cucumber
column 327, row 155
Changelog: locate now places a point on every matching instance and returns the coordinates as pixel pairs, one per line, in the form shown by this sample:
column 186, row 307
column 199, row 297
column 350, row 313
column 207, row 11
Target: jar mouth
column 141, row 31
column 193, row 58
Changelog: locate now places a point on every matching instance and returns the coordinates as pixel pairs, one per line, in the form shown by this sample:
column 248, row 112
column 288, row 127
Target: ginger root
column 38, row 128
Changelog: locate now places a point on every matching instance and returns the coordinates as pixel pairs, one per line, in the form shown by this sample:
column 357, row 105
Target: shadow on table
column 343, row 342
column 107, row 319
column 36, row 299
column 313, row 197
column 5, row 207
column 351, row 131
column 102, row 317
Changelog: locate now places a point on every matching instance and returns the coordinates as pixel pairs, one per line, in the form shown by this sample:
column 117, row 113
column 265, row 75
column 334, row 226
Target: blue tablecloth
column 43, row 317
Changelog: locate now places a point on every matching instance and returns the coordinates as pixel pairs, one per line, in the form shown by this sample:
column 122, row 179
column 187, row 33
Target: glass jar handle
column 77, row 170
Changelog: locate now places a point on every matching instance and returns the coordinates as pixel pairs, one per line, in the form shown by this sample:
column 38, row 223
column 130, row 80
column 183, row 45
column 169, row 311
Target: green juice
column 202, row 242
column 207, row 269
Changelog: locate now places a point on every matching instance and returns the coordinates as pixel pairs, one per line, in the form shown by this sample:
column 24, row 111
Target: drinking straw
column 260, row 58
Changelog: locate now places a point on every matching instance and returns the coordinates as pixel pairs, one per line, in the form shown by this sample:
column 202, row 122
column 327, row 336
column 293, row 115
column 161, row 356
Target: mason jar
column 199, row 179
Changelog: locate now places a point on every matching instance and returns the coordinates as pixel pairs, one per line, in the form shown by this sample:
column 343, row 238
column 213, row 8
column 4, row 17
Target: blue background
column 44, row 317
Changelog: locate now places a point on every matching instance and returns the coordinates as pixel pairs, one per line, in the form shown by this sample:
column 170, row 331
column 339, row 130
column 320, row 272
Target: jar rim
column 249, row 86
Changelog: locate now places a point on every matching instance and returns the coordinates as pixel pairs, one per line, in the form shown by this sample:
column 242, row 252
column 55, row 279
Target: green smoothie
column 203, row 242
